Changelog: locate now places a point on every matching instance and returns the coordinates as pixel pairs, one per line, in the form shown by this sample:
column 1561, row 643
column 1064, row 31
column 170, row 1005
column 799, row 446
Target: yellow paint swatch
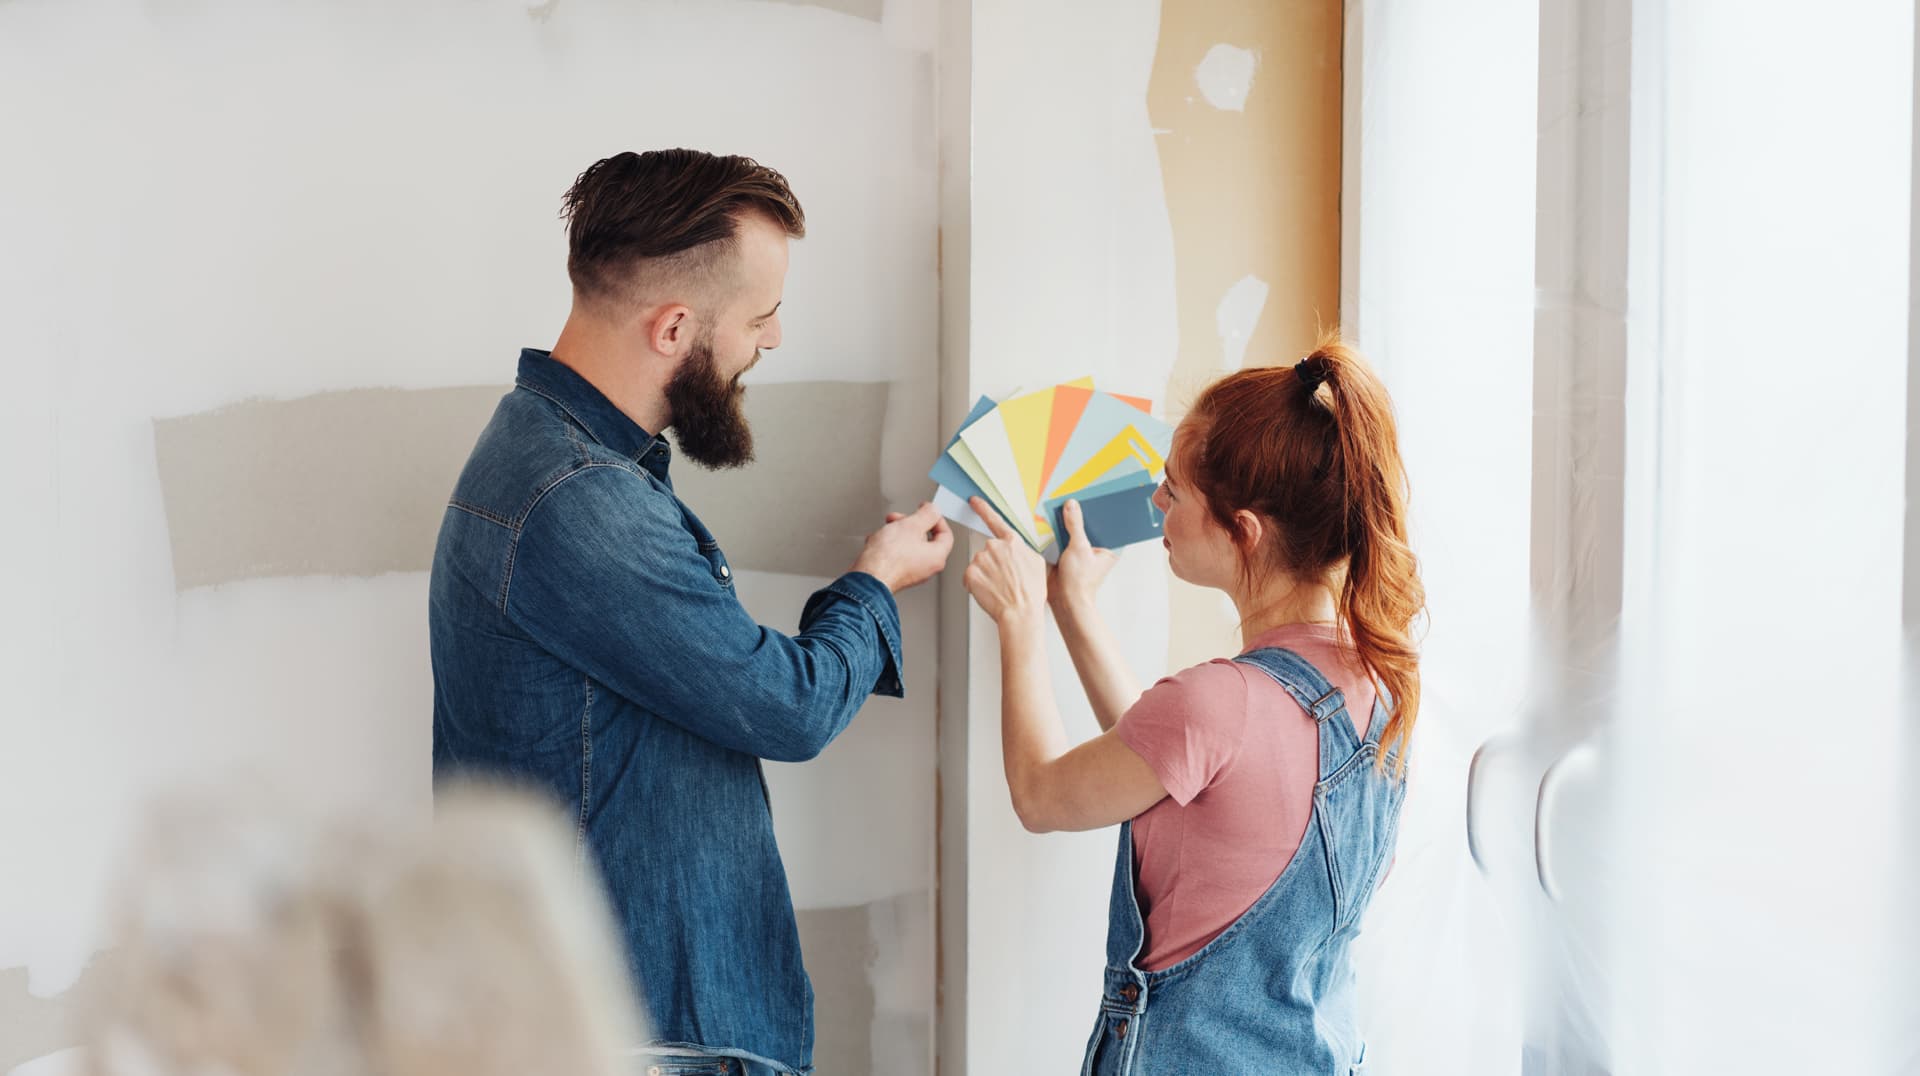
column 1130, row 443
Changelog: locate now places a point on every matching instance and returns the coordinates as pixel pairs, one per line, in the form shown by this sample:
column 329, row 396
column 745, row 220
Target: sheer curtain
column 1688, row 821
column 1439, row 291
column 1763, row 734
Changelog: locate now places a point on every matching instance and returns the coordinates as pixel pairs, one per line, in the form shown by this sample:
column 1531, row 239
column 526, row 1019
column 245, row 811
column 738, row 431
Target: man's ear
column 671, row 329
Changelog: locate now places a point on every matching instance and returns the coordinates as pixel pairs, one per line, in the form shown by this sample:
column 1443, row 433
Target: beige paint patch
column 864, row 9
column 840, row 952
column 859, row 1030
column 1272, row 217
column 355, row 483
column 342, row 483
column 31, row 1026
column 812, row 494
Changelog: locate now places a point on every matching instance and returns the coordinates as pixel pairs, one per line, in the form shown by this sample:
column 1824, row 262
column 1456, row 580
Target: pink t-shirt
column 1239, row 759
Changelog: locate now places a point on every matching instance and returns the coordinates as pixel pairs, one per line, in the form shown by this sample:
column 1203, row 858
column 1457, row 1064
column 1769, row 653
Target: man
column 586, row 637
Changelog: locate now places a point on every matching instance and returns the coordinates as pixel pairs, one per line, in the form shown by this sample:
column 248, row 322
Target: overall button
column 1121, row 1031
column 1130, row 992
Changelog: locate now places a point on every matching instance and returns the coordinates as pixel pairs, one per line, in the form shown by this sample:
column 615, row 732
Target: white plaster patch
column 1225, row 76
column 1236, row 316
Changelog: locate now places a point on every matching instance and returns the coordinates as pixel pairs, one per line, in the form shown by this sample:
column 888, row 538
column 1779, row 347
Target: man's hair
column 671, row 211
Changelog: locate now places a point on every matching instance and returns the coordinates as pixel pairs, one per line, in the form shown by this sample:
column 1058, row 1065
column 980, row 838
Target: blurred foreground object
column 253, row 945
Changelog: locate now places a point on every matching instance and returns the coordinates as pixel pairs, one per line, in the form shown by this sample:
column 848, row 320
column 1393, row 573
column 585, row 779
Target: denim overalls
column 1274, row 992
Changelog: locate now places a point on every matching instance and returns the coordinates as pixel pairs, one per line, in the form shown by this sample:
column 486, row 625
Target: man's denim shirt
column 587, row 641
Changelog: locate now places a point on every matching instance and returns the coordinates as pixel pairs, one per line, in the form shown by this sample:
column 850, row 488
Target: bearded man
column 586, row 637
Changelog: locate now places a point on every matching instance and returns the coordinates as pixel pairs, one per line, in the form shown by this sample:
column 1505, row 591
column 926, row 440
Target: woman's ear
column 1249, row 529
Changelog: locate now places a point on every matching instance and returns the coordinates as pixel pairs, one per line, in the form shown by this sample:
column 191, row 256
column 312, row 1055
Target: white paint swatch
column 1236, row 316
column 951, row 506
column 1225, row 77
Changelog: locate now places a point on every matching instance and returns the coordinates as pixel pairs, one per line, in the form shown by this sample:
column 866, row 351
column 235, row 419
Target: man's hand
column 909, row 550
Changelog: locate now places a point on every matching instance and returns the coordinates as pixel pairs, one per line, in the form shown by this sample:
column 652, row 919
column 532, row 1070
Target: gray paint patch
column 848, row 951
column 355, row 483
column 864, row 9
column 342, row 483
column 807, row 502
column 32, row 1027
column 839, row 949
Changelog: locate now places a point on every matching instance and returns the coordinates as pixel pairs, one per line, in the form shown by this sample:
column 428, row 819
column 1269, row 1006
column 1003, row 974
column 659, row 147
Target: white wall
column 208, row 202
column 1438, row 292
column 1071, row 273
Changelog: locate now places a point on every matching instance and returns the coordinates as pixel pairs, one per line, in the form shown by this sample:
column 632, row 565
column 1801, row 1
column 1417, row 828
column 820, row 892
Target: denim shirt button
column 725, row 572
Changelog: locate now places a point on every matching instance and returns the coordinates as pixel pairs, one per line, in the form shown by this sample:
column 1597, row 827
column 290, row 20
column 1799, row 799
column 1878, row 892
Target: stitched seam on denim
column 1347, row 735
column 1270, row 896
column 506, row 575
column 1351, row 766
column 586, row 770
column 1297, row 693
column 539, row 496
column 1333, row 867
column 582, row 456
column 476, row 510
column 723, row 1051
column 557, row 402
column 1380, row 860
column 893, row 646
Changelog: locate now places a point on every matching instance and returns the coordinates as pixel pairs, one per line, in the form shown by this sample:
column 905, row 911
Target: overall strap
column 1314, row 692
column 1317, row 696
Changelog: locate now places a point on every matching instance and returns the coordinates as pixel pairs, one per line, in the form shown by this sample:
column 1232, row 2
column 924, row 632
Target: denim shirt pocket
column 709, row 548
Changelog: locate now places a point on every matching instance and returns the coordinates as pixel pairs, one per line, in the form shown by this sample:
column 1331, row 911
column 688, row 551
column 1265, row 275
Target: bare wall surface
column 1072, row 270
column 344, row 219
column 1155, row 202
column 1245, row 101
column 356, row 482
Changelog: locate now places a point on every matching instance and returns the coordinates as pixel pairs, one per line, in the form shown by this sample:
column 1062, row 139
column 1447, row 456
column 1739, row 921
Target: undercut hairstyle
column 666, row 217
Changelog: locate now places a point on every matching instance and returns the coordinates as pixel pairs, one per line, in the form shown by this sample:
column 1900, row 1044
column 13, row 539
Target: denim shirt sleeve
column 608, row 578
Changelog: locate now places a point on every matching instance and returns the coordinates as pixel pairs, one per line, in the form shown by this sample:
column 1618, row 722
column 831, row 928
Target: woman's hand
column 1007, row 578
column 1082, row 568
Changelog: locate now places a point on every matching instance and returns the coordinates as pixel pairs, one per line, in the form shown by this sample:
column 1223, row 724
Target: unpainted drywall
column 355, row 483
column 1245, row 101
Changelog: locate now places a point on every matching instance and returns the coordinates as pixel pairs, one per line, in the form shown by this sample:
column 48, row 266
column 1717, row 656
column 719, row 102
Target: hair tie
column 1312, row 372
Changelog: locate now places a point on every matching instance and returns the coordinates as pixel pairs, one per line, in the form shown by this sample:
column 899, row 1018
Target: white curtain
column 1727, row 844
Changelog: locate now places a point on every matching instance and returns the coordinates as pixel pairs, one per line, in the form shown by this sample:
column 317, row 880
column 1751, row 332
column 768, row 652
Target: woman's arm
column 1097, row 784
column 1071, row 586
column 1108, row 681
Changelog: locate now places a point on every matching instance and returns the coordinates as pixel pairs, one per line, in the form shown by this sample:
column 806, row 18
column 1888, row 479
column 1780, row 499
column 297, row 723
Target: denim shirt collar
column 590, row 410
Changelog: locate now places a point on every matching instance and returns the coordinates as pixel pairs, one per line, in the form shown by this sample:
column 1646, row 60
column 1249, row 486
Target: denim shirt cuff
column 873, row 596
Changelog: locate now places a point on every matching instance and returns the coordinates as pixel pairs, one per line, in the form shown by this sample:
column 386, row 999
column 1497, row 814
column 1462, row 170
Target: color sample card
column 1028, row 455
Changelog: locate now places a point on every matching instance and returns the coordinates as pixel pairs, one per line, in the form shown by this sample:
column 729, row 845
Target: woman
column 1259, row 796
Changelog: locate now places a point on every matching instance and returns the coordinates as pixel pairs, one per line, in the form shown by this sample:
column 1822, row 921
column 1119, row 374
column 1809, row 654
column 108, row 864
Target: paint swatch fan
column 1028, row 455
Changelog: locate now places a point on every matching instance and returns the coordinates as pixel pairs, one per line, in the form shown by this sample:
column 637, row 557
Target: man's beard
column 708, row 422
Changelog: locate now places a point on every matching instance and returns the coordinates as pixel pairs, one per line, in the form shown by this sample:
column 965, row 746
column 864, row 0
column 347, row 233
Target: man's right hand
column 909, row 550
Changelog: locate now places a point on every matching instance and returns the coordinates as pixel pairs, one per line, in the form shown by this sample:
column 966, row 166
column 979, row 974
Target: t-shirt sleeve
column 1189, row 726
